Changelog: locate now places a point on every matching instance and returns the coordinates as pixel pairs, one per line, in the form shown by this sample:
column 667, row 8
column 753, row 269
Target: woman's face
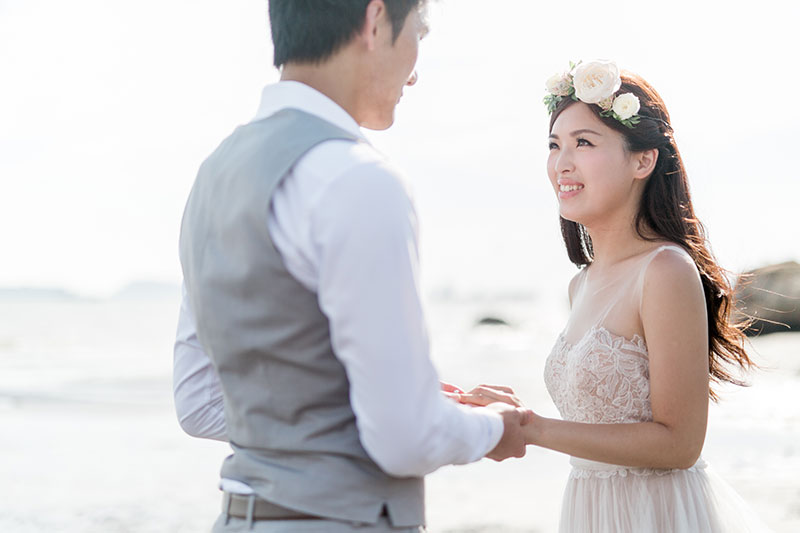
column 590, row 169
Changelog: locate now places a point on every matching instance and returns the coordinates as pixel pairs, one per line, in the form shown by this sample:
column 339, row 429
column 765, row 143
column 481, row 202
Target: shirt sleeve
column 195, row 384
column 364, row 235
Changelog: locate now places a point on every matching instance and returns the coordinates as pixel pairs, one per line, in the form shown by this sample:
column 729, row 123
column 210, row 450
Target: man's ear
column 645, row 163
column 374, row 17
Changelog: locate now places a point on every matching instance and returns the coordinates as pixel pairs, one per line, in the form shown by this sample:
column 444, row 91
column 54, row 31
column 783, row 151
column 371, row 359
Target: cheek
column 551, row 168
column 414, row 47
column 600, row 167
column 610, row 188
column 614, row 173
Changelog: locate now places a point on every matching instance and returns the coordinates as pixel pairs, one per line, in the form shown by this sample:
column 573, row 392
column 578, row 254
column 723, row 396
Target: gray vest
column 287, row 407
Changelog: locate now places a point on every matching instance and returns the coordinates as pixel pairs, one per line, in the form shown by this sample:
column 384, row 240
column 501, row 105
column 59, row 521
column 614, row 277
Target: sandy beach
column 90, row 443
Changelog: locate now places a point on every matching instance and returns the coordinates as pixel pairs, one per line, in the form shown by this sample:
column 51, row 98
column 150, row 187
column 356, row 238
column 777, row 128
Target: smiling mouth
column 569, row 188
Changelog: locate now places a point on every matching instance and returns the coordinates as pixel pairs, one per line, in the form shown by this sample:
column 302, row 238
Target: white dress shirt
column 346, row 229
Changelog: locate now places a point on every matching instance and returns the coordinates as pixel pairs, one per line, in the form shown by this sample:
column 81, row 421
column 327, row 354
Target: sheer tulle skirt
column 603, row 498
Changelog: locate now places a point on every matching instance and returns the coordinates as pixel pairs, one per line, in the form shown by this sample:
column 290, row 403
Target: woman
column 649, row 326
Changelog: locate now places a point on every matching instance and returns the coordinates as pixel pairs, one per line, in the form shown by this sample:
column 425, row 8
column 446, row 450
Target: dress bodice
column 601, row 379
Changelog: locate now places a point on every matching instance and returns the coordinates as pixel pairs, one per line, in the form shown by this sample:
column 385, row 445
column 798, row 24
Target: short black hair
column 310, row 31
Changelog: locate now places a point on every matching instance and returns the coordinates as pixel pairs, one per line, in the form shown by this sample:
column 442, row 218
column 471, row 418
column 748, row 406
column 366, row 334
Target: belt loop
column 226, row 504
column 251, row 505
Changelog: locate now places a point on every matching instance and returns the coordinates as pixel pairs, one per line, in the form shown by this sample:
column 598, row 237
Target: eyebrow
column 576, row 133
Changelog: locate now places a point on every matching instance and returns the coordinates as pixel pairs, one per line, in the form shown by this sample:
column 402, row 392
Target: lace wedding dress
column 600, row 377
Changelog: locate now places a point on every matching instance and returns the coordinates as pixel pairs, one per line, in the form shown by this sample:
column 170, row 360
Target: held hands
column 504, row 401
column 513, row 442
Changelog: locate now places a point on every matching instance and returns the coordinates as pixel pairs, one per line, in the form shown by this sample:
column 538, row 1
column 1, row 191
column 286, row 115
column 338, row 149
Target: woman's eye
column 553, row 146
column 584, row 142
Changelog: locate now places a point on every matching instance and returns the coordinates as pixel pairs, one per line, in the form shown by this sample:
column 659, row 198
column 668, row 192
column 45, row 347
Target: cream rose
column 558, row 84
column 596, row 80
column 626, row 105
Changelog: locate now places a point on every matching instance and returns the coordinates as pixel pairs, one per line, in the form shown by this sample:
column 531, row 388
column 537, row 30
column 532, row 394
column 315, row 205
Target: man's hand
column 512, row 443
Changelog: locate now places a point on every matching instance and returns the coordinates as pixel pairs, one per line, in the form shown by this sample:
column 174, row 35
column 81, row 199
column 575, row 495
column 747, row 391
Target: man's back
column 288, row 411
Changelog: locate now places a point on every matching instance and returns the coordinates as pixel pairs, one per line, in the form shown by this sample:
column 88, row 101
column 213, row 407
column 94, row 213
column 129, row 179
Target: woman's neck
column 615, row 243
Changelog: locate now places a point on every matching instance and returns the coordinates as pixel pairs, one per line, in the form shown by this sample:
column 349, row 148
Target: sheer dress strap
column 605, row 306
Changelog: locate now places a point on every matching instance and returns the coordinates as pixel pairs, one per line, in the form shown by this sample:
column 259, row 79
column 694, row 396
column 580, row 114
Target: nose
column 564, row 164
column 412, row 80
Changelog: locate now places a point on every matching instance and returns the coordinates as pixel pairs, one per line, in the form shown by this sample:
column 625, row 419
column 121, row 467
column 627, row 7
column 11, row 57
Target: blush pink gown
column 600, row 377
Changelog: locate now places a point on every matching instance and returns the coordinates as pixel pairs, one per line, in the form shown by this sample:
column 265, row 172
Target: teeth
column 568, row 188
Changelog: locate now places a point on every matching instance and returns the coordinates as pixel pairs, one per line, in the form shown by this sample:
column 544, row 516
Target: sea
column 89, row 441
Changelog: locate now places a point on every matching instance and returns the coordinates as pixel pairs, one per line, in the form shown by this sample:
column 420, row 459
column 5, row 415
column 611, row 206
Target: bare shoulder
column 672, row 266
column 671, row 280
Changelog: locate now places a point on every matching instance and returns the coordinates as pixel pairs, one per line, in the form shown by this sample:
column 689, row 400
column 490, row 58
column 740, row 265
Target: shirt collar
column 297, row 95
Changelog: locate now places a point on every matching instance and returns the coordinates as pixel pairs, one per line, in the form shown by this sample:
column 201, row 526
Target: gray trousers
column 240, row 525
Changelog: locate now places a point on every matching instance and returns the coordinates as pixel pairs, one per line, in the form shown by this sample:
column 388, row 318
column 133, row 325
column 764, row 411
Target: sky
column 107, row 110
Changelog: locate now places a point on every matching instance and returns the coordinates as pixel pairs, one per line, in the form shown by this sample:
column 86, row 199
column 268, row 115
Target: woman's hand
column 451, row 391
column 485, row 394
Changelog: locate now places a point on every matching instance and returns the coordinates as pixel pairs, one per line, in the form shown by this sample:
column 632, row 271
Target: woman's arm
column 674, row 319
column 675, row 325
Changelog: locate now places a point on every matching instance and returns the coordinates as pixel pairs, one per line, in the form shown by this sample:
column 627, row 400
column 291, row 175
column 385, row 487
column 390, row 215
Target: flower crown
column 595, row 82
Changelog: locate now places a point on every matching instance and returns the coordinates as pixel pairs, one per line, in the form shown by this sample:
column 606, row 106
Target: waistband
column 251, row 507
column 588, row 468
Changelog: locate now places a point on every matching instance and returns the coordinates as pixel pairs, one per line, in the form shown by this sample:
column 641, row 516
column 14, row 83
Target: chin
column 571, row 216
column 384, row 124
column 381, row 118
column 378, row 125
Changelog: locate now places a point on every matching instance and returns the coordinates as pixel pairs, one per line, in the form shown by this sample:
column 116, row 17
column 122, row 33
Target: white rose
column 626, row 105
column 596, row 80
column 558, row 84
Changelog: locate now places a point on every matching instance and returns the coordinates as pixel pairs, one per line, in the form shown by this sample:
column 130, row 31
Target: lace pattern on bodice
column 601, row 379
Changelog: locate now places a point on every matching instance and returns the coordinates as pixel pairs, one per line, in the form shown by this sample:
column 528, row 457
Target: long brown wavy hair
column 666, row 213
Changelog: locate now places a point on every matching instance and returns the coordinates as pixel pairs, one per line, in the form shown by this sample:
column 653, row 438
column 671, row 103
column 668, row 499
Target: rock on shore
column 771, row 296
